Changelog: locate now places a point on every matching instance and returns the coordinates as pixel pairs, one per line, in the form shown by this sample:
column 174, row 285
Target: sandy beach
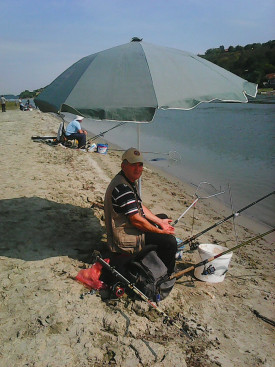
column 52, row 220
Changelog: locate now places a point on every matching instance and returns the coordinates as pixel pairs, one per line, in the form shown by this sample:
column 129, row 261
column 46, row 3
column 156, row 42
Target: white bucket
column 92, row 148
column 102, row 148
column 206, row 251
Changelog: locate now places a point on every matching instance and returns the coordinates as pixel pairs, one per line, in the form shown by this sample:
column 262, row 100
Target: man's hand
column 144, row 225
column 166, row 226
column 163, row 224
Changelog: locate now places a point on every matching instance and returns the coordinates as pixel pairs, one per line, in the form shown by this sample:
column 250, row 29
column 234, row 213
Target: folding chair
column 61, row 135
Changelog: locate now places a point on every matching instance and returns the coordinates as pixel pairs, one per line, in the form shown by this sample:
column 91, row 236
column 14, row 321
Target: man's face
column 132, row 171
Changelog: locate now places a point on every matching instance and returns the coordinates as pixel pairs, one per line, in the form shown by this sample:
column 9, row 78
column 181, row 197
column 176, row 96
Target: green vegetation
column 251, row 62
column 28, row 94
column 12, row 105
column 265, row 90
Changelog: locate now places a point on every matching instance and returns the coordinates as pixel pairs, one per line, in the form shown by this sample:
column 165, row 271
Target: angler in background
column 75, row 131
column 3, row 103
column 130, row 225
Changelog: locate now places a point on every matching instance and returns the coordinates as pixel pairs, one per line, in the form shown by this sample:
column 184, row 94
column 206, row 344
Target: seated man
column 74, row 131
column 130, row 225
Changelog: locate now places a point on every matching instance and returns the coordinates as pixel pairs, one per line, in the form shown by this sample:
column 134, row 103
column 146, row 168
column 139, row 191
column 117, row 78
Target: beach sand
column 52, row 220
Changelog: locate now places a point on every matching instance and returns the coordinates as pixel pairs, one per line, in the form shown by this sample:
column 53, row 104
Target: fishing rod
column 167, row 318
column 104, row 132
column 180, row 273
column 197, row 198
column 190, row 239
column 43, row 137
column 122, row 150
column 173, row 155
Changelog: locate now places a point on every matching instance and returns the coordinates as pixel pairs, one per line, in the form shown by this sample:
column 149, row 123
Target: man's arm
column 164, row 224
column 124, row 201
column 82, row 131
column 144, row 225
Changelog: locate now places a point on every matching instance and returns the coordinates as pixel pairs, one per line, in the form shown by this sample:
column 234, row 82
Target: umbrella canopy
column 129, row 82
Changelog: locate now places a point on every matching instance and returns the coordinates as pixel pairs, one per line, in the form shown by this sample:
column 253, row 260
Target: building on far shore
column 270, row 80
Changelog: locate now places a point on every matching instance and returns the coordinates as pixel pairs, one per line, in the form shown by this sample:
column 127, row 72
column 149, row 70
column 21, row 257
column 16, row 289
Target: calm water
column 229, row 145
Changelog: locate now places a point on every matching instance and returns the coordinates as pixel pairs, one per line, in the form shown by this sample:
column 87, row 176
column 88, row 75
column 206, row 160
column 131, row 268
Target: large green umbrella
column 129, row 82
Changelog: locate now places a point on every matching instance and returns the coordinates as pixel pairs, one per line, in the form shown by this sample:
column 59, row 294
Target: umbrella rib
column 70, row 90
column 151, row 80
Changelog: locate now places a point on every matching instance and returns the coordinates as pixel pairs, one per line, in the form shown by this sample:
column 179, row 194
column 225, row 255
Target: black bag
column 149, row 275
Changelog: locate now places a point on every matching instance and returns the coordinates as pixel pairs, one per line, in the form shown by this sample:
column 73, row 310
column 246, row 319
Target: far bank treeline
column 251, row 62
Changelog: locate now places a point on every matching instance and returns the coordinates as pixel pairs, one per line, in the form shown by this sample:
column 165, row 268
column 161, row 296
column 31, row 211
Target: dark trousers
column 3, row 107
column 81, row 137
column 166, row 246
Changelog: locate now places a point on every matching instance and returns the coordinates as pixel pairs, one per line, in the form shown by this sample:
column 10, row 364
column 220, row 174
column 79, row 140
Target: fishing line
column 193, row 221
column 232, row 209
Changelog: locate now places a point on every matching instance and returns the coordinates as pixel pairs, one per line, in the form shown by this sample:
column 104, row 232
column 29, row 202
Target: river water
column 230, row 145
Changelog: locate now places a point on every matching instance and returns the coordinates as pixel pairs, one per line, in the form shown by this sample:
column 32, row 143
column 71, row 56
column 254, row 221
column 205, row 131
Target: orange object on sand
column 90, row 277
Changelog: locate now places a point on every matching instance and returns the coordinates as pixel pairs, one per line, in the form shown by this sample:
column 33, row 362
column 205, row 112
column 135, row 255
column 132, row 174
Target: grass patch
column 265, row 90
column 12, row 105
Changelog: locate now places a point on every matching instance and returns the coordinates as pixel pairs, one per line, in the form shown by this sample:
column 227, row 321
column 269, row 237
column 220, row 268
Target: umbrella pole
column 138, row 146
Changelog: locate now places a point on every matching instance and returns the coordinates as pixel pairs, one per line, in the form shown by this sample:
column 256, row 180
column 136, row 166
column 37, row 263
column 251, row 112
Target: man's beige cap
column 132, row 155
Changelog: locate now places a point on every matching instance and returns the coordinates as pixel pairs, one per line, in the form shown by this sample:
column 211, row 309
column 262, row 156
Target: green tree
column 26, row 94
column 251, row 62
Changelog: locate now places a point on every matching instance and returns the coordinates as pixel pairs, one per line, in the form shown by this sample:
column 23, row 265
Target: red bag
column 90, row 277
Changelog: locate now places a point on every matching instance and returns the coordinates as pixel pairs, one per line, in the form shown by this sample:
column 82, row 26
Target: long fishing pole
column 187, row 270
column 190, row 239
column 123, row 150
column 106, row 131
column 167, row 318
column 173, row 155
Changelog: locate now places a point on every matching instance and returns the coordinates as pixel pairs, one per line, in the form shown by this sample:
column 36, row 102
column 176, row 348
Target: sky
column 40, row 39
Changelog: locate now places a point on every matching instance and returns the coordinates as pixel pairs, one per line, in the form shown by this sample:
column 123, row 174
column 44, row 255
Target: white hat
column 79, row 118
column 132, row 155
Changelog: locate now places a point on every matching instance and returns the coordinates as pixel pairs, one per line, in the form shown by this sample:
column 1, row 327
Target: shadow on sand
column 35, row 229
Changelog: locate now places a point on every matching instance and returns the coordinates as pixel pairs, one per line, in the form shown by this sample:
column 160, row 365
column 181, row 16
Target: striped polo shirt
column 125, row 200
